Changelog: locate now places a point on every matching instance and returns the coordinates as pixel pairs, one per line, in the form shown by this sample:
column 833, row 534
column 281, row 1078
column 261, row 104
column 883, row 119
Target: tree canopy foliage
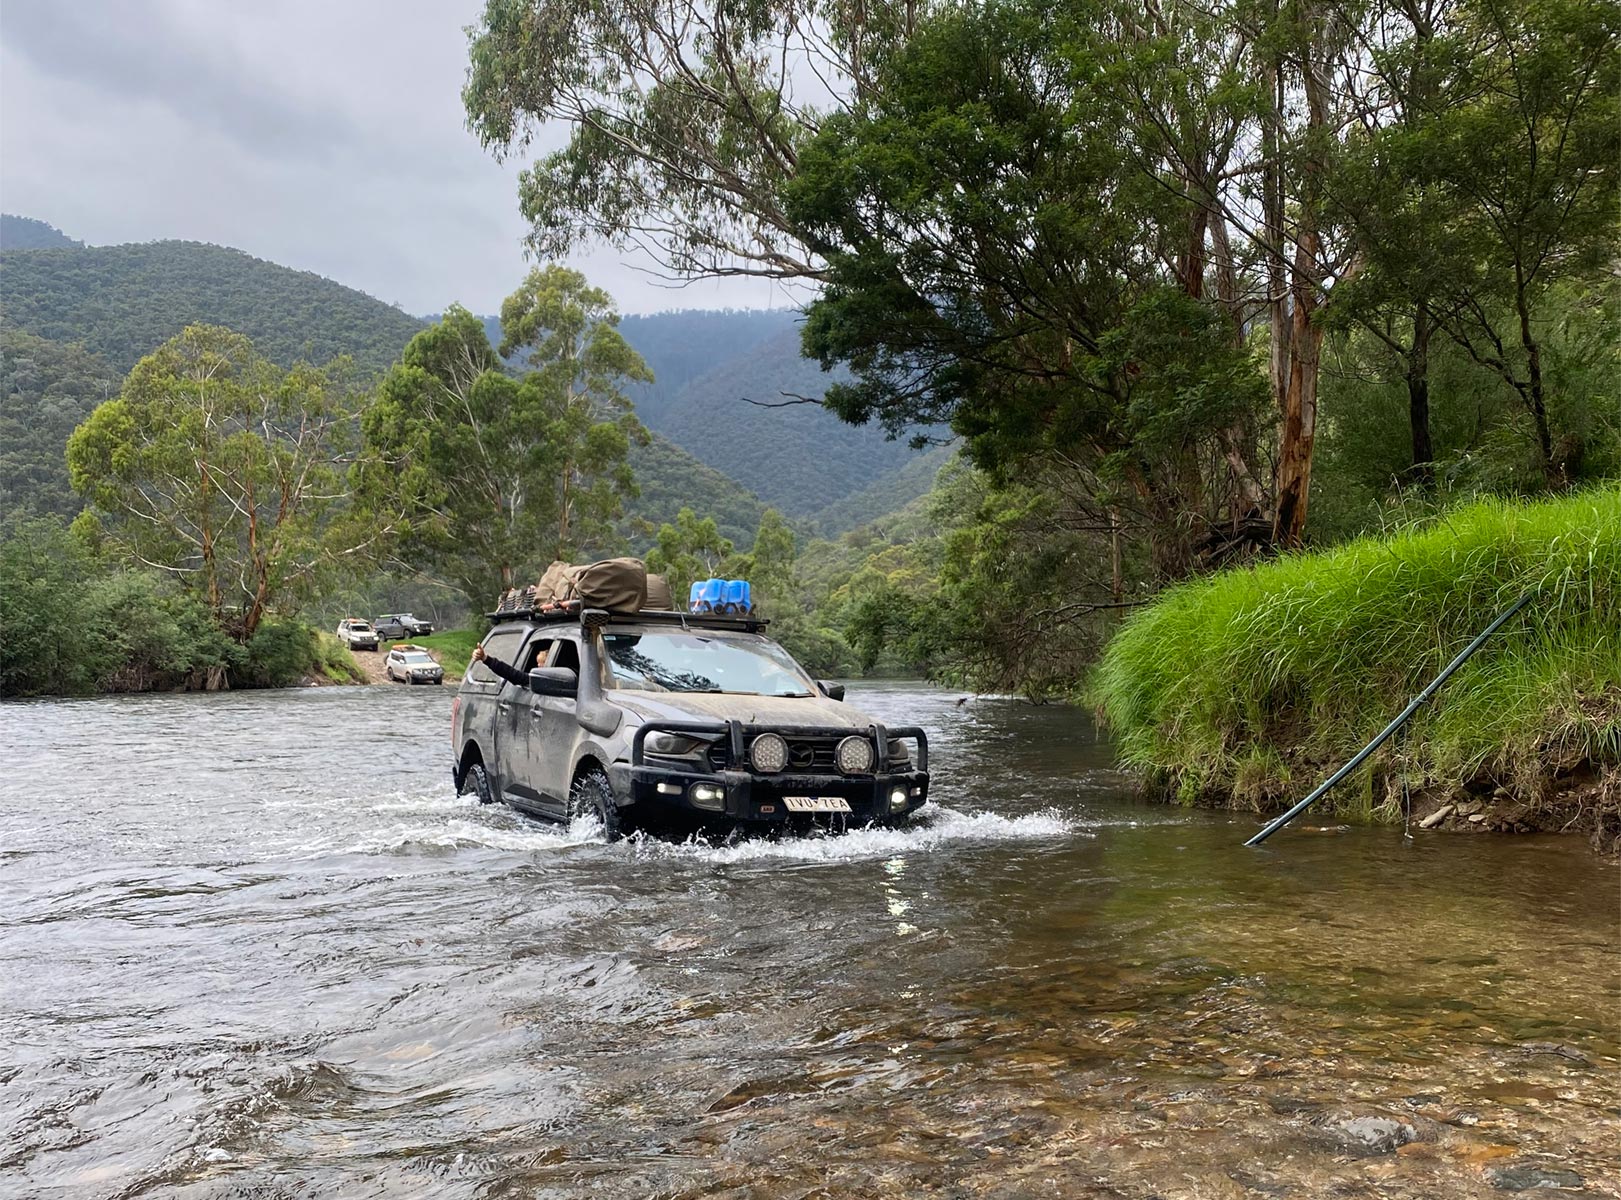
column 1095, row 234
column 500, row 472
column 1159, row 268
column 219, row 468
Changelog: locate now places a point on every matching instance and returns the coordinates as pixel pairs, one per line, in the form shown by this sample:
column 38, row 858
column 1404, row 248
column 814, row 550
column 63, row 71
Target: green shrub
column 284, row 651
column 1252, row 680
column 146, row 636
column 42, row 645
column 334, row 659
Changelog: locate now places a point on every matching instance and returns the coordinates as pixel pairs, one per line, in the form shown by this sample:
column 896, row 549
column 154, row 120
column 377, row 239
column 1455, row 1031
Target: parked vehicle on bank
column 406, row 663
column 657, row 718
column 357, row 634
column 393, row 626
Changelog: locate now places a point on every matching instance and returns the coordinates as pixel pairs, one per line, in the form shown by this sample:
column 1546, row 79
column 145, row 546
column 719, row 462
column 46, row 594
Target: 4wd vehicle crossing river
column 250, row 945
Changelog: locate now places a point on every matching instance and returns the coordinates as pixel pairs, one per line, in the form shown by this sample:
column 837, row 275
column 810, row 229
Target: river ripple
column 251, row 946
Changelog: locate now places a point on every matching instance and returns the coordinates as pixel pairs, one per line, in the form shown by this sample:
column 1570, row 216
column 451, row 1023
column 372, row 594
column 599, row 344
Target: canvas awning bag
column 659, row 595
column 617, row 584
column 556, row 585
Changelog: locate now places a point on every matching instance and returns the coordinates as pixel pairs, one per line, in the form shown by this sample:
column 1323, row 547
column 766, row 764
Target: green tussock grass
column 452, row 647
column 333, row 660
column 1242, row 688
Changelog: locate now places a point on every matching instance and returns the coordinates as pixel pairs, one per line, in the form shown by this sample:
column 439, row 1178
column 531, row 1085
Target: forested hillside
column 75, row 320
column 122, row 301
column 706, row 366
column 683, row 346
column 46, row 389
column 670, row 479
column 25, row 233
column 800, row 457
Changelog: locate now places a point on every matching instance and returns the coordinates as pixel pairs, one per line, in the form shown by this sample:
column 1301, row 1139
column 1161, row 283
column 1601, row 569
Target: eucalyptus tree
column 499, row 471
column 1525, row 140
column 227, row 473
column 686, row 119
column 1481, row 180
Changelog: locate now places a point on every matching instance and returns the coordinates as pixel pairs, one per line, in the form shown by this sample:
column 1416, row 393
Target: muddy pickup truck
column 671, row 720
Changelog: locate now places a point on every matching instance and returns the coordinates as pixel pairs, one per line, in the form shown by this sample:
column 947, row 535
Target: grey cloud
column 326, row 135
column 140, row 52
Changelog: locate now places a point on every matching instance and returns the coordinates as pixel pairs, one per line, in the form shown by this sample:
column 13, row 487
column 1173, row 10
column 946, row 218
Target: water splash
column 935, row 827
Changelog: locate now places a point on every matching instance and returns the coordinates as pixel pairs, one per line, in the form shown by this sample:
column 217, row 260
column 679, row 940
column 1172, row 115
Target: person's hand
column 478, row 653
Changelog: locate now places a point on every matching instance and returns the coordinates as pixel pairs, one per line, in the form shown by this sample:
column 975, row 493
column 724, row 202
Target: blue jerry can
column 705, row 596
column 735, row 597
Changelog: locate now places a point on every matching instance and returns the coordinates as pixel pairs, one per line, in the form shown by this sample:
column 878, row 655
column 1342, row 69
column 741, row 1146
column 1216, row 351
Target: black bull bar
column 738, row 736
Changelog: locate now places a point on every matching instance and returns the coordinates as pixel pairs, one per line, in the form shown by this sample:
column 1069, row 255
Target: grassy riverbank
column 1242, row 689
column 452, row 647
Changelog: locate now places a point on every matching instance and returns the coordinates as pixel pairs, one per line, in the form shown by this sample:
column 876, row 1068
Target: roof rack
column 740, row 622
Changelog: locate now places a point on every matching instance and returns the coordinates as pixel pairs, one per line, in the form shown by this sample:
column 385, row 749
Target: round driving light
column 768, row 753
column 855, row 756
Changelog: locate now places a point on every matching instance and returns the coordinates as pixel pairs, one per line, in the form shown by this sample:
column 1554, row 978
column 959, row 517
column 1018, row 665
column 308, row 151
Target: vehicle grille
column 817, row 755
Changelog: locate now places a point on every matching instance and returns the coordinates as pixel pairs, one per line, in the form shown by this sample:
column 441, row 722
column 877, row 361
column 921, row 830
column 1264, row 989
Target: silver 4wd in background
column 412, row 664
column 669, row 719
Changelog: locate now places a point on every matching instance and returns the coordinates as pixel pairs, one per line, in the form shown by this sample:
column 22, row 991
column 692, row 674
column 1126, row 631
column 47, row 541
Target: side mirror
column 554, row 681
column 833, row 691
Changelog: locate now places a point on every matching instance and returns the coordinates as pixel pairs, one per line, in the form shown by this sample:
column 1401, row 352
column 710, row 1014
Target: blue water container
column 706, row 596
column 735, row 598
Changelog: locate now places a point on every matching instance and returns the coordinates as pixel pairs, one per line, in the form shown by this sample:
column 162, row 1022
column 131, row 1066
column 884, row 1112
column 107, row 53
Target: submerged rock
column 1372, row 1131
column 1522, row 1177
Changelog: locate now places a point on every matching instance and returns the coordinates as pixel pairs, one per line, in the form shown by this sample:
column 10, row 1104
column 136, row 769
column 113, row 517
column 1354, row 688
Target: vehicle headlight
column 768, row 753
column 900, row 753
column 671, row 745
column 855, row 756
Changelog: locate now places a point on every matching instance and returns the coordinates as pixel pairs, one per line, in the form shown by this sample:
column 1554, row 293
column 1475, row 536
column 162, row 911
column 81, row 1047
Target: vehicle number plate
column 816, row 804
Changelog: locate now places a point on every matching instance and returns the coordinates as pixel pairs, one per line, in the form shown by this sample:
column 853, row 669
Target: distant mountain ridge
column 26, row 233
column 707, row 368
column 123, row 302
column 713, row 451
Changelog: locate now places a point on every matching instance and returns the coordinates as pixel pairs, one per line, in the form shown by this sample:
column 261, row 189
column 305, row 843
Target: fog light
column 897, row 799
column 669, row 789
column 707, row 795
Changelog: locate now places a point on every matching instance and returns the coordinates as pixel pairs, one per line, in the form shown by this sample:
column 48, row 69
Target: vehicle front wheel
column 477, row 781
column 593, row 795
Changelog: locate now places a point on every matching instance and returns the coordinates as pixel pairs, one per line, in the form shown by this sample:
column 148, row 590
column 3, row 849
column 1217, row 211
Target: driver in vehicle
column 505, row 670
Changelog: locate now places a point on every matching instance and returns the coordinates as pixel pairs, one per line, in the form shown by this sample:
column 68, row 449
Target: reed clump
column 1243, row 688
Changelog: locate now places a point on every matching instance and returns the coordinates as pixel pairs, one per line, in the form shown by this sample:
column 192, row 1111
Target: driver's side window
column 568, row 655
column 535, row 655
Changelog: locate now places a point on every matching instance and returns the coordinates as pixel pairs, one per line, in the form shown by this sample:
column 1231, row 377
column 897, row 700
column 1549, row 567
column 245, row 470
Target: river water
column 250, row 946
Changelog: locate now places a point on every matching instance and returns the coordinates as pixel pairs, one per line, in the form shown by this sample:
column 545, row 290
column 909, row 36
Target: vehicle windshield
column 685, row 661
column 422, row 659
column 359, row 627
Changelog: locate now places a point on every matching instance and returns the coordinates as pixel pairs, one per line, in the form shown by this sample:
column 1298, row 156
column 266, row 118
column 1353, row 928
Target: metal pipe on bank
column 1402, row 718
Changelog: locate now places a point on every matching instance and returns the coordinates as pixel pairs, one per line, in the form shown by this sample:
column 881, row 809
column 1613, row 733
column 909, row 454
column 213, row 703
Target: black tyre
column 477, row 781
column 592, row 794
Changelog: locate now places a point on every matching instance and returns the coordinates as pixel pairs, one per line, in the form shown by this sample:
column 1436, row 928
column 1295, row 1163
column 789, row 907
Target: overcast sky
column 326, row 135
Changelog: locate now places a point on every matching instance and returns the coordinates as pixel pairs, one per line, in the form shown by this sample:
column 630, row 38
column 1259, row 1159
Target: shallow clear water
column 250, row 945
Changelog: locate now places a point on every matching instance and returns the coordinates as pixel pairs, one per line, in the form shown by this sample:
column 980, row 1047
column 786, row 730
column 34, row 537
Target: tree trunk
column 1305, row 336
column 1299, row 411
column 1418, row 397
column 1533, row 393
